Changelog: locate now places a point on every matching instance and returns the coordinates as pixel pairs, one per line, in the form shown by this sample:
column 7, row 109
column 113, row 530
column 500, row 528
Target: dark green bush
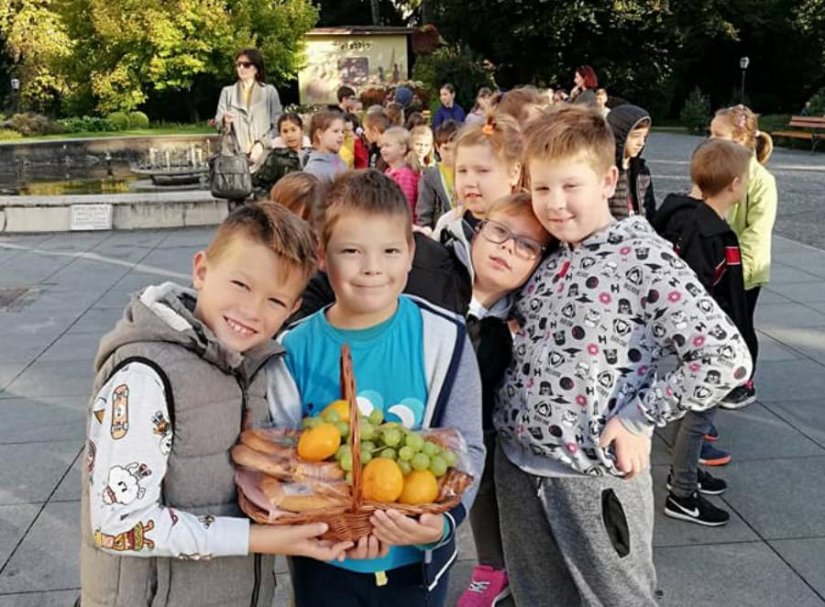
column 457, row 65
column 138, row 120
column 120, row 120
column 87, row 124
column 695, row 114
column 818, row 103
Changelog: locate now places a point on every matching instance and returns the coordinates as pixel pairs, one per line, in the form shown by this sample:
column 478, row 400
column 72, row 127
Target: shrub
column 120, row 120
column 818, row 103
column 138, row 120
column 87, row 124
column 30, row 124
column 457, row 65
column 695, row 114
column 8, row 135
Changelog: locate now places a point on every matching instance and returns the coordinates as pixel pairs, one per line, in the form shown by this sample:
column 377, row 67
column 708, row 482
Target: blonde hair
column 321, row 121
column 744, row 125
column 377, row 120
column 401, row 135
column 419, row 131
column 298, row 192
column 571, row 131
column 716, row 163
column 288, row 236
column 501, row 132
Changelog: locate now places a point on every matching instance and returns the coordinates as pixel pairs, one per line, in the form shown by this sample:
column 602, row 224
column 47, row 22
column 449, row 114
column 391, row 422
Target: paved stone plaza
column 60, row 293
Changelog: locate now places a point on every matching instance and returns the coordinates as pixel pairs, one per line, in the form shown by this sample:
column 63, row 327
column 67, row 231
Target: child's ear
column 610, row 180
column 515, row 174
column 322, row 258
column 295, row 307
column 199, row 269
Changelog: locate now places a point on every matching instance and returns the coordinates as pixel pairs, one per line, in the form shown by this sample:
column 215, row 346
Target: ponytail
column 764, row 147
column 744, row 125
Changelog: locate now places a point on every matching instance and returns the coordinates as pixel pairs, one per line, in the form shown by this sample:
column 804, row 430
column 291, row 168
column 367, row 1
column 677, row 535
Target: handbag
column 229, row 174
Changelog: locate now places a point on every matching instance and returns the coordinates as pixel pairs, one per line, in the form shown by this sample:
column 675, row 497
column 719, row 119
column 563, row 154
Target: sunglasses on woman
column 244, row 64
column 498, row 233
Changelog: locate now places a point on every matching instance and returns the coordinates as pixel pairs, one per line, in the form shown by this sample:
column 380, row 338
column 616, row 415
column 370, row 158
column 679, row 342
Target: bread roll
column 291, row 469
column 270, row 440
column 297, row 497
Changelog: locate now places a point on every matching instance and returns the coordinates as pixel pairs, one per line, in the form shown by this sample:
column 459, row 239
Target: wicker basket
column 353, row 523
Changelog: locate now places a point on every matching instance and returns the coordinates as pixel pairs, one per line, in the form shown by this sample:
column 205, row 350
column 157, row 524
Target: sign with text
column 91, row 217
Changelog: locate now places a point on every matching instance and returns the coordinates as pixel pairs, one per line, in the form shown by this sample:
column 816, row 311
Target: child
column 523, row 104
column 375, row 123
column 502, row 254
column 702, row 237
column 487, row 167
column 176, row 380
column 634, row 189
column 326, row 131
column 478, row 114
column 436, row 188
column 347, row 152
column 415, row 119
column 299, row 193
column 396, row 152
column 449, row 109
column 580, row 399
column 601, row 102
column 395, row 114
column 411, row 360
column 421, row 139
column 752, row 218
column 290, row 151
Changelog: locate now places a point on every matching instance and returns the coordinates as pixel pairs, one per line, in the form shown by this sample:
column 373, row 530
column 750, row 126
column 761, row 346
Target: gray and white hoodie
column 597, row 320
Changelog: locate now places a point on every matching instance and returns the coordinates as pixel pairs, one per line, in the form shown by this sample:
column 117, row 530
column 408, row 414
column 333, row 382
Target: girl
column 752, row 218
column 289, row 152
column 326, row 131
column 299, row 192
column 436, row 188
column 396, row 152
column 586, row 83
column 478, row 114
column 422, row 144
column 487, row 167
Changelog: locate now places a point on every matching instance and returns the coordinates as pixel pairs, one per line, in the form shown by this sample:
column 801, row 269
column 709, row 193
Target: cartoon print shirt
column 388, row 363
column 596, row 321
column 130, row 439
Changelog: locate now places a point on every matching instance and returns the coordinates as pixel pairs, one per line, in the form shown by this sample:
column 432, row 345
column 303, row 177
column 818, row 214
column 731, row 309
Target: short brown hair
column 321, row 121
column 298, row 192
column 273, row 226
column 446, row 132
column 365, row 191
column 571, row 131
column 716, row 163
column 501, row 132
column 518, row 203
column 517, row 102
column 377, row 120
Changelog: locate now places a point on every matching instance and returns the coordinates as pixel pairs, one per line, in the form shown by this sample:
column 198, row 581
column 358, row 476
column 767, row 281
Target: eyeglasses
column 244, row 64
column 498, row 233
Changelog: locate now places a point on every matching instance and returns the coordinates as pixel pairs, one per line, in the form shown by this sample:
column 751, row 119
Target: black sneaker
column 708, row 485
column 740, row 397
column 695, row 509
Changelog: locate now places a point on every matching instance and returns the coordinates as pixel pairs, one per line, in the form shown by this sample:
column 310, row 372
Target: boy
column 579, row 402
column 412, row 362
column 701, row 236
column 375, row 124
column 449, row 109
column 436, row 190
column 634, row 188
column 176, row 380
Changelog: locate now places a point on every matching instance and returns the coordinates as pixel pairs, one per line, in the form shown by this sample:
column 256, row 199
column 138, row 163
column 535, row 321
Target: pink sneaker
column 487, row 588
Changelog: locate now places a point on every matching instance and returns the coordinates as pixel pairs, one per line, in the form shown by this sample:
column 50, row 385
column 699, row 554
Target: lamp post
column 744, row 62
column 15, row 94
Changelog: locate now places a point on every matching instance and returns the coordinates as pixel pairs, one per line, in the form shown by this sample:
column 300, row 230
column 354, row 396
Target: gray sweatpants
column 687, row 446
column 576, row 540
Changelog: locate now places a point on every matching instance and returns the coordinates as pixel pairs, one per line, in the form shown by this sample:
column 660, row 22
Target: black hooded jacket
column 709, row 246
column 634, row 192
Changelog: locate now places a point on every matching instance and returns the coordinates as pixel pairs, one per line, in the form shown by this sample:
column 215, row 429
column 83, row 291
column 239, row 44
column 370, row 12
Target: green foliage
column 695, row 114
column 87, row 124
column 457, row 65
column 120, row 120
column 818, row 103
column 9, row 134
column 30, row 124
column 138, row 120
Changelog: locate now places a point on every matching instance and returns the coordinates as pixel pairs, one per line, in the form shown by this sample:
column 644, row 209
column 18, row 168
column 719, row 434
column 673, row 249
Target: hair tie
column 488, row 129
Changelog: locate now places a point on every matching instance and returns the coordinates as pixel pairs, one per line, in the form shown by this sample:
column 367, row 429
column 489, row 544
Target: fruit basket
column 318, row 489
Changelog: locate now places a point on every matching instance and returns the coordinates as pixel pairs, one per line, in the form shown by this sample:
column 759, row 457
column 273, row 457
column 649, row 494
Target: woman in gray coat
column 251, row 106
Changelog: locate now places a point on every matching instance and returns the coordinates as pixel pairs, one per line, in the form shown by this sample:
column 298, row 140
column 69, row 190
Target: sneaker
column 713, row 434
column 740, row 397
column 488, row 587
column 711, row 456
column 707, row 484
column 695, row 509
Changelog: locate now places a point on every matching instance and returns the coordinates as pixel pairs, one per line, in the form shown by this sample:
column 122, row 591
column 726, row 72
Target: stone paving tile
column 195, row 237
column 73, row 347
column 810, row 262
column 746, row 575
column 52, row 379
column 809, row 342
column 69, row 488
column 805, row 292
column 96, row 321
column 808, row 416
column 31, row 471
column 55, row 598
column 8, row 371
column 773, row 350
column 807, row 558
column 56, row 418
column 789, row 380
column 786, row 277
column 48, row 557
column 769, row 296
column 788, row 315
column 14, row 520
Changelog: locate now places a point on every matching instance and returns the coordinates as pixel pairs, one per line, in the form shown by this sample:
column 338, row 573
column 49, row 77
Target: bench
column 814, row 129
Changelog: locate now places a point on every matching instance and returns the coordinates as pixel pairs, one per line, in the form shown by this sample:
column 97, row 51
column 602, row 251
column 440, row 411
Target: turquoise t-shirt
column 388, row 362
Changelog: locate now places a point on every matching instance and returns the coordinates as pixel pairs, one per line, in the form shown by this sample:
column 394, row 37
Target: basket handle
column 348, row 389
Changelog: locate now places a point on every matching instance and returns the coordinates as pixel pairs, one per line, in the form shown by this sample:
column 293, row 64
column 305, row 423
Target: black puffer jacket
column 634, row 192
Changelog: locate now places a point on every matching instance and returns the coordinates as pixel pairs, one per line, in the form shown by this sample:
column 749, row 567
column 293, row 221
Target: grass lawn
column 161, row 129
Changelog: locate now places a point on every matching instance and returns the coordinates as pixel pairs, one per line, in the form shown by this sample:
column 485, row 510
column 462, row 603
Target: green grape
column 406, row 468
column 346, row 462
column 376, row 417
column 306, row 423
column 367, row 430
column 414, row 441
column 449, row 457
column 438, row 466
column 331, row 416
column 341, row 451
column 392, row 437
column 366, row 456
column 420, row 461
column 430, row 449
column 406, row 453
column 368, row 445
column 389, row 454
column 343, row 428
column 314, row 422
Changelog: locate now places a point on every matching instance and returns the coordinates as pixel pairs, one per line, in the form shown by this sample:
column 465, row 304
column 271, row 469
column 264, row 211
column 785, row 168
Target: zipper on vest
column 256, row 590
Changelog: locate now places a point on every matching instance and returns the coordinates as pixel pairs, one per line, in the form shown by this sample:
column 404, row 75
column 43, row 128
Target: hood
column 278, row 143
column 324, row 157
column 623, row 119
column 165, row 314
column 673, row 206
column 617, row 233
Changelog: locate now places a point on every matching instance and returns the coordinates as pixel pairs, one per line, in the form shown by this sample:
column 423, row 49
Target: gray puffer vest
column 211, row 393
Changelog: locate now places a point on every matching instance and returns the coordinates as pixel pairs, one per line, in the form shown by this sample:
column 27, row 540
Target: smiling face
column 570, row 197
column 332, row 138
column 481, row 177
column 246, row 294
column 292, row 134
column 367, row 258
column 422, row 145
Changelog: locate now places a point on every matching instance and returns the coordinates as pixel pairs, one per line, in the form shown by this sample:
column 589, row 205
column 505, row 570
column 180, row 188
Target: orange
column 319, row 443
column 420, row 487
column 382, row 481
column 341, row 407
